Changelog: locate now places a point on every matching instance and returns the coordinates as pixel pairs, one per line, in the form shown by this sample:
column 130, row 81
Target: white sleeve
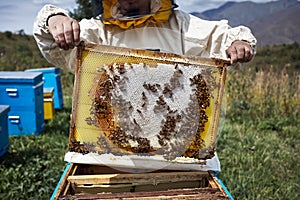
column 212, row 38
column 45, row 41
column 240, row 33
column 224, row 35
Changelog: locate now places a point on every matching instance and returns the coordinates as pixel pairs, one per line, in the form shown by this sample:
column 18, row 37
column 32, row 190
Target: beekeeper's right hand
column 65, row 31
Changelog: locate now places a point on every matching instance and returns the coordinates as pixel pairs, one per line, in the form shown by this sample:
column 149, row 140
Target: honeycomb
column 145, row 103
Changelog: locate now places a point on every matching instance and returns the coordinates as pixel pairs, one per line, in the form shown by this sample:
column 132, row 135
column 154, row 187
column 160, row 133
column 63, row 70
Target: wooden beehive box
column 139, row 114
column 4, row 136
column 48, row 103
column 23, row 92
column 52, row 79
column 80, row 181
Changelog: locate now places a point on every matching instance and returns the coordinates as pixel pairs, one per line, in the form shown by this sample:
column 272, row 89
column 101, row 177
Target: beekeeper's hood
column 160, row 12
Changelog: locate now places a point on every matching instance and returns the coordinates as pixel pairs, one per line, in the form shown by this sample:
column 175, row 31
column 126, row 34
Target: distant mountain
column 282, row 27
column 274, row 22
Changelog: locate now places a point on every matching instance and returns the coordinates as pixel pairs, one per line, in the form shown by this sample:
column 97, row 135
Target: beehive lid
column 135, row 104
column 4, row 108
column 53, row 70
column 48, row 92
column 20, row 77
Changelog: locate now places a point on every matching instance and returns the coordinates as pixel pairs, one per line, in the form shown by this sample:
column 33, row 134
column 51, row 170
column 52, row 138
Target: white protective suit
column 183, row 34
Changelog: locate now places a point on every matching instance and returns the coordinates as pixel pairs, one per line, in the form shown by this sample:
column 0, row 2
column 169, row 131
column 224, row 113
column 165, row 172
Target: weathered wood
column 212, row 182
column 156, row 56
column 147, row 178
column 72, row 171
column 146, row 186
column 217, row 183
column 87, row 169
column 117, row 188
column 198, row 193
column 84, row 169
column 137, row 182
column 64, row 184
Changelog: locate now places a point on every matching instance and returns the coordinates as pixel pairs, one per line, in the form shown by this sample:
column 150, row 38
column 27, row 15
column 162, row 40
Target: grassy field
column 33, row 164
column 258, row 143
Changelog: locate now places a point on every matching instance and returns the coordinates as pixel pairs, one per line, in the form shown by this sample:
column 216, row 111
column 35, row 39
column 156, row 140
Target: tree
column 8, row 34
column 87, row 9
column 21, row 32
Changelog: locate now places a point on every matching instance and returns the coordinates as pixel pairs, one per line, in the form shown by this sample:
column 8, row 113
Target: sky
column 20, row 14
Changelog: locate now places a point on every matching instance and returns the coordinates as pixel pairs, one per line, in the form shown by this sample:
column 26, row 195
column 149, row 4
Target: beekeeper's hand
column 240, row 51
column 65, row 31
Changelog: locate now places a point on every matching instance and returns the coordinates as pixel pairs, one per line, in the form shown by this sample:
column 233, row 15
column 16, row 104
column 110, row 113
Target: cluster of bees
column 203, row 87
column 76, row 146
column 179, row 133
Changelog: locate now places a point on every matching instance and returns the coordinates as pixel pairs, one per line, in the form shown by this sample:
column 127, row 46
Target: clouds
column 4, row 8
column 202, row 5
column 20, row 14
column 46, row 1
column 198, row 6
column 59, row 3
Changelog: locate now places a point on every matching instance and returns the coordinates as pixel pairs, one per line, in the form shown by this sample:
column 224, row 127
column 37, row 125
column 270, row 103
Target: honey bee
column 144, row 97
column 121, row 68
column 111, row 68
column 116, row 78
column 150, row 87
column 161, row 101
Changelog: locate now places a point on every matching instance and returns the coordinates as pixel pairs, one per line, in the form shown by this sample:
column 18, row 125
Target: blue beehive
column 23, row 91
column 4, row 141
column 51, row 78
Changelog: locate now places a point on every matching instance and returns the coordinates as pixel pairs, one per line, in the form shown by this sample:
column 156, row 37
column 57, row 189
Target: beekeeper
column 141, row 24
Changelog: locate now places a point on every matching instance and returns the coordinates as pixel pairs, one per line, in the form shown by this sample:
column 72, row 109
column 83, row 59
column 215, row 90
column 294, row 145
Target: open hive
column 137, row 104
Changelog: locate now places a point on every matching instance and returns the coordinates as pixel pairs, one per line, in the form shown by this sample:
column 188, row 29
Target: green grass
column 260, row 163
column 260, row 142
column 33, row 164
